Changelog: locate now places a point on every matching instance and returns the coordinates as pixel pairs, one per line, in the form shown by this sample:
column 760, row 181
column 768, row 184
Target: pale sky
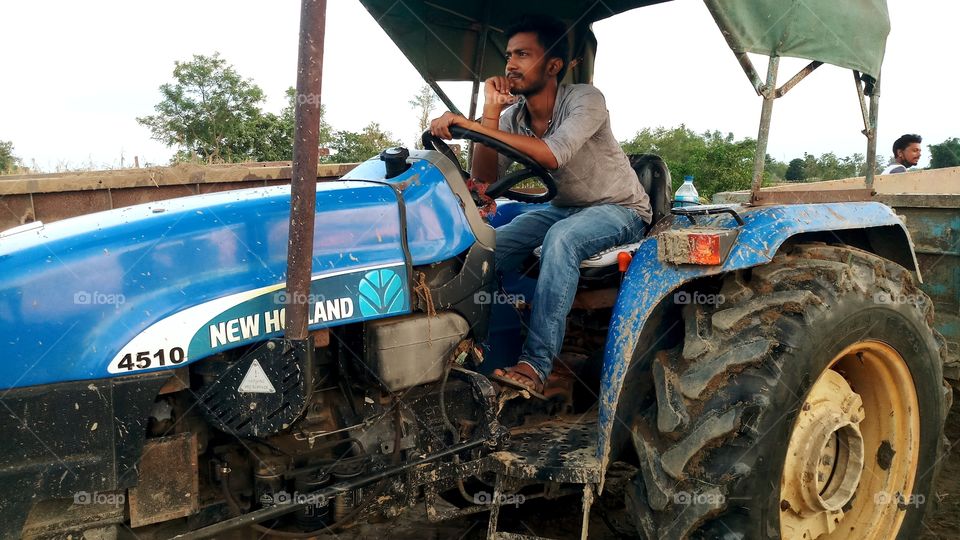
column 75, row 75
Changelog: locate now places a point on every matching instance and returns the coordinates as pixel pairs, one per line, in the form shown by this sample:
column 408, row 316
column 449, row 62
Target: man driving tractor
column 600, row 203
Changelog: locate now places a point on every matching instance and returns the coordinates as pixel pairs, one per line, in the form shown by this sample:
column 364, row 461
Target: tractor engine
column 273, row 423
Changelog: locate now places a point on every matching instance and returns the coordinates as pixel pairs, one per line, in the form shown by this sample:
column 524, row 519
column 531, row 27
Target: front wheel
column 807, row 403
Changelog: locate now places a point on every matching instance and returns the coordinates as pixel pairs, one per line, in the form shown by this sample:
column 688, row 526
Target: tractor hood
column 160, row 285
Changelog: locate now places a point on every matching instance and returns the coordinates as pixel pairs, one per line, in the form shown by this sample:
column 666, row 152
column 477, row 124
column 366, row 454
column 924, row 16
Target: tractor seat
column 601, row 269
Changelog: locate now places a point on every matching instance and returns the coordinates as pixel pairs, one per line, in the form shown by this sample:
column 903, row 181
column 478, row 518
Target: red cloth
column 485, row 204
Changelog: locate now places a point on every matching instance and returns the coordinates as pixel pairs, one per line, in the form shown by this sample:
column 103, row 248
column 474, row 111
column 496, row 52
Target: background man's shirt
column 894, row 168
column 593, row 169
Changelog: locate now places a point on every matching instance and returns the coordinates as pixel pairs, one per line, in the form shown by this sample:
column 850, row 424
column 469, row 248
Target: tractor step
column 500, row 490
column 561, row 450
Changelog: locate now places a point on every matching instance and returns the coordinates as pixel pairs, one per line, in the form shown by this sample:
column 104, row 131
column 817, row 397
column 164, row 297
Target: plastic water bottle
column 687, row 194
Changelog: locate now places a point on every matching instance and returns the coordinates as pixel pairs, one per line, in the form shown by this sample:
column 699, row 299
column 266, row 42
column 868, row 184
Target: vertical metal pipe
column 769, row 94
column 863, row 103
column 872, row 135
column 478, row 67
column 473, row 98
column 303, row 185
column 479, row 54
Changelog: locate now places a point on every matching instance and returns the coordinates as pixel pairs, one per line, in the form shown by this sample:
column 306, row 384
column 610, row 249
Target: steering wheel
column 502, row 187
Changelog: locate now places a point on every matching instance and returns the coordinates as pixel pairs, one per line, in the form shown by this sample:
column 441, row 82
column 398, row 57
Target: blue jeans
column 568, row 236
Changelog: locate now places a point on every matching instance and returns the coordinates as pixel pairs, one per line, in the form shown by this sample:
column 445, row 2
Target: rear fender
column 648, row 281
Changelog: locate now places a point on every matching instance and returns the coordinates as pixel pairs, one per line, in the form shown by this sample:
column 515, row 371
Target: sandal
column 531, row 382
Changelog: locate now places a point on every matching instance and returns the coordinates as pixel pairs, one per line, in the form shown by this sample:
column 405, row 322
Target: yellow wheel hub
column 851, row 460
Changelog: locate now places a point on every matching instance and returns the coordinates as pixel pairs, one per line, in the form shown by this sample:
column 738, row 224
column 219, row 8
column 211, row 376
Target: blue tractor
column 745, row 371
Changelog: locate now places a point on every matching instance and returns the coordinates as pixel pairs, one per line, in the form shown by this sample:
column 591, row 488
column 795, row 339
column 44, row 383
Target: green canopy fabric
column 443, row 39
column 845, row 33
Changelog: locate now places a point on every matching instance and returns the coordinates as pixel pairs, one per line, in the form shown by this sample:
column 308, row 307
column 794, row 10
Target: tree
column 9, row 163
column 945, row 154
column 811, row 168
column 718, row 162
column 270, row 137
column 776, row 169
column 794, row 171
column 353, row 147
column 209, row 111
column 423, row 104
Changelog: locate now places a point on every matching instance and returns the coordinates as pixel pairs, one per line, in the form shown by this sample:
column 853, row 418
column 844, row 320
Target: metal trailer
column 928, row 202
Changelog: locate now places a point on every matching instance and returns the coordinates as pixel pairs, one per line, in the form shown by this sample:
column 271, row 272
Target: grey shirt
column 894, row 168
column 593, row 169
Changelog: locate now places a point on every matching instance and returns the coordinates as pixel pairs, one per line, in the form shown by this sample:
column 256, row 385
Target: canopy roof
column 845, row 33
column 462, row 40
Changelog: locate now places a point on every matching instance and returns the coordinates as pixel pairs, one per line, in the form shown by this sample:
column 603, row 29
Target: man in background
column 906, row 154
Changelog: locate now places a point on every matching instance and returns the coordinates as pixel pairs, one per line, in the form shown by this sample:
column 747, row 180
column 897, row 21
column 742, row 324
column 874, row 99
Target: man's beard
column 534, row 87
column 907, row 162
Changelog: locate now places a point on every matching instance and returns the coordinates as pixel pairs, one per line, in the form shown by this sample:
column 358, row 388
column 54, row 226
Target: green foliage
column 718, row 162
column 830, row 167
column 209, row 111
column 423, row 104
column 288, row 118
column 270, row 137
column 774, row 169
column 722, row 163
column 945, row 154
column 794, row 171
column 353, row 147
column 9, row 163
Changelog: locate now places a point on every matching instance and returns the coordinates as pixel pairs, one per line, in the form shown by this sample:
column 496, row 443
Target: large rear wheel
column 807, row 402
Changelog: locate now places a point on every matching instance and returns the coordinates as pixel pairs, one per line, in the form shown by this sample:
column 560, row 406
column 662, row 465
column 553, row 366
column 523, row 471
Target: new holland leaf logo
column 381, row 292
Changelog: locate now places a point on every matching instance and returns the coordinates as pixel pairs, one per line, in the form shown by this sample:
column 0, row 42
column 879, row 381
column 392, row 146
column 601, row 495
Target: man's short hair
column 904, row 141
column 551, row 33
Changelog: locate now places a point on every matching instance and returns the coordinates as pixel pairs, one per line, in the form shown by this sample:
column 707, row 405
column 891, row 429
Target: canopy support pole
column 750, row 71
column 801, row 75
column 763, row 136
column 863, row 102
column 869, row 124
column 479, row 55
column 443, row 96
column 303, row 184
column 872, row 135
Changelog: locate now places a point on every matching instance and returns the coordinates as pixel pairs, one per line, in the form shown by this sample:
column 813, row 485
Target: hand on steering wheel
column 502, row 187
